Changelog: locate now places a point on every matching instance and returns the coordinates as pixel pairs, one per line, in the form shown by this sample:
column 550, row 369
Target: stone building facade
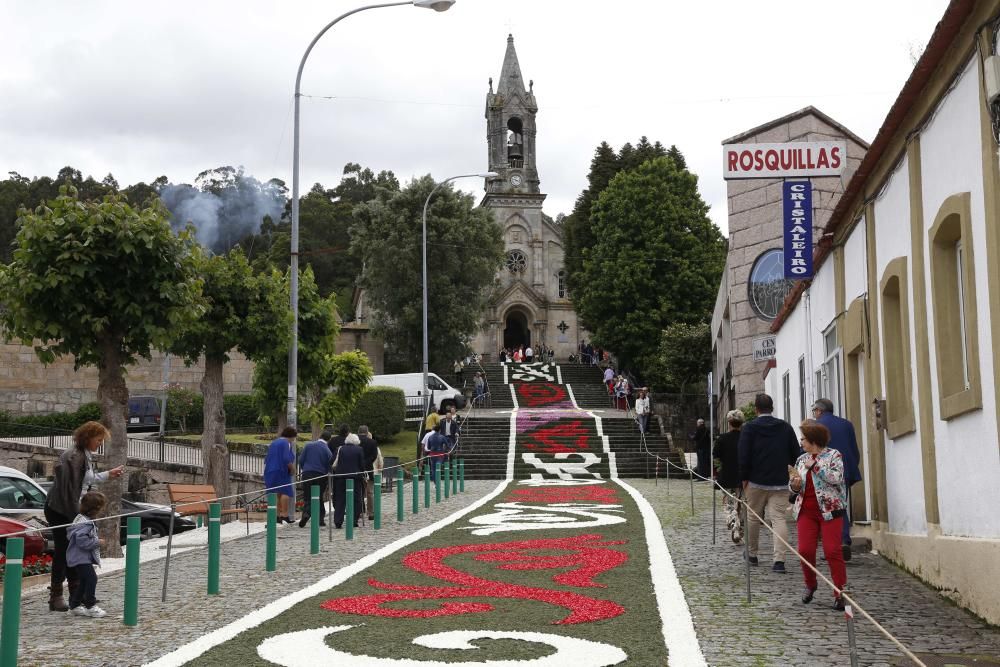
column 753, row 288
column 530, row 304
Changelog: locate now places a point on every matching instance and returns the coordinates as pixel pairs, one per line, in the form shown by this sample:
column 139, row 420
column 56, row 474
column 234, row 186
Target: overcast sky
column 141, row 89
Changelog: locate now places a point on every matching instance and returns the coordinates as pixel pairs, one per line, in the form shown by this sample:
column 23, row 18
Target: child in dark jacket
column 83, row 553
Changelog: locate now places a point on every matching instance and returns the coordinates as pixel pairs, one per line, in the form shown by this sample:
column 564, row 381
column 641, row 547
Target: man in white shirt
column 529, row 355
column 642, row 410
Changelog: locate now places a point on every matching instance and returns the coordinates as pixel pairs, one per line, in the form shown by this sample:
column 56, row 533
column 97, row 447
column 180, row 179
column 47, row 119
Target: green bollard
column 427, row 487
column 437, row 483
column 349, row 518
column 271, row 563
column 400, row 489
column 416, row 490
column 11, row 625
column 447, row 478
column 454, row 477
column 461, row 475
column 132, row 541
column 199, row 521
column 378, row 501
column 314, row 519
column 214, row 526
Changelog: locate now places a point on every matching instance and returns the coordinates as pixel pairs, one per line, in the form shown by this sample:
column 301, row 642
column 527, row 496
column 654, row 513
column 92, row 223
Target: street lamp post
column 488, row 174
column 293, row 349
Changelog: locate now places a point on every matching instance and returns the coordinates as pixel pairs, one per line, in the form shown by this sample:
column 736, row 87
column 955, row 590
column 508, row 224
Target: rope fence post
column 427, row 488
column 314, row 519
column 170, row 542
column 852, row 640
column 437, row 484
column 10, row 628
column 461, row 475
column 400, row 490
column 416, row 490
column 454, row 477
column 377, row 501
column 329, row 517
column 349, row 519
column 691, row 478
column 447, row 478
column 214, row 546
column 133, row 539
column 271, row 559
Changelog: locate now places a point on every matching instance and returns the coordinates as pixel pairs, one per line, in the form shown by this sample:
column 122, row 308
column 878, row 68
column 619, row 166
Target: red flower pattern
column 589, row 557
column 566, row 494
column 541, row 394
column 573, row 437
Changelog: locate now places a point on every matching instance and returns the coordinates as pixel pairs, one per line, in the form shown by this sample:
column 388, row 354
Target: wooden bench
column 193, row 499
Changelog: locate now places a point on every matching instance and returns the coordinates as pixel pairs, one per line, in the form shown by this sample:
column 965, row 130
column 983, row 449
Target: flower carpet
column 562, row 564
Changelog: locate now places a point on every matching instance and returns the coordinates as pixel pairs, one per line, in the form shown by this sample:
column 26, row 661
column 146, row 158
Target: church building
column 530, row 304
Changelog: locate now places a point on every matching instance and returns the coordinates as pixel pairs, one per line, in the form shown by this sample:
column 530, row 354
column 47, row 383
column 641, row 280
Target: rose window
column 516, row 262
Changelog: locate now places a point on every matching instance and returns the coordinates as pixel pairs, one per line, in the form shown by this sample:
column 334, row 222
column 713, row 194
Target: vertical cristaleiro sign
column 797, row 219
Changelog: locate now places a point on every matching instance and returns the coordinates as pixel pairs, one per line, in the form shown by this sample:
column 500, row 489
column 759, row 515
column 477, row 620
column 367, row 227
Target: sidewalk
column 776, row 628
column 51, row 638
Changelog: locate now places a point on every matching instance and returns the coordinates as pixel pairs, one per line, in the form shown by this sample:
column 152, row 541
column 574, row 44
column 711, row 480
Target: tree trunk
column 214, row 454
column 112, row 392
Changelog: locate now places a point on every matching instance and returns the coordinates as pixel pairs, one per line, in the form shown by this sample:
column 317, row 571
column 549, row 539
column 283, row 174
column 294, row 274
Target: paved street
column 776, row 629
column 49, row 638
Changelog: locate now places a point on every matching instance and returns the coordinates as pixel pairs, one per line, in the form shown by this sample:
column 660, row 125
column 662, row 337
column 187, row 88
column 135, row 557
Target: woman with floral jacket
column 818, row 479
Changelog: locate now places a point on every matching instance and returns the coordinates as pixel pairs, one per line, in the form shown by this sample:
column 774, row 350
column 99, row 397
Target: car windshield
column 18, row 494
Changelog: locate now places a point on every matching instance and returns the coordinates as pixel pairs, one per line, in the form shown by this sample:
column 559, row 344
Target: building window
column 802, row 388
column 516, row 262
column 786, row 390
column 953, row 294
column 561, row 283
column 767, row 286
column 832, row 377
column 896, row 348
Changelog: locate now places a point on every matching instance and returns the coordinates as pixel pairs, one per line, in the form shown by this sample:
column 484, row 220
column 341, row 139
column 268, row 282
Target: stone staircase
column 484, row 444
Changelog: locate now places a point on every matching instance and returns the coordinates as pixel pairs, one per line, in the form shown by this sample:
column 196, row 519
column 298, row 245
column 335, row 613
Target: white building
column 905, row 308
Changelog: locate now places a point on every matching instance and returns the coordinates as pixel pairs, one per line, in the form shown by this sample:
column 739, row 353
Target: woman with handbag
column 818, row 479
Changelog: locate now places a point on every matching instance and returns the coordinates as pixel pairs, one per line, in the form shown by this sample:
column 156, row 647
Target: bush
column 382, row 409
column 27, row 425
column 185, row 409
column 241, row 410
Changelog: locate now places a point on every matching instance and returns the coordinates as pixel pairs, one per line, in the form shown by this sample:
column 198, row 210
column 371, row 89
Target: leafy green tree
column 106, row 283
column 244, row 311
column 318, row 330
column 464, row 252
column 656, row 260
column 683, row 357
column 350, row 374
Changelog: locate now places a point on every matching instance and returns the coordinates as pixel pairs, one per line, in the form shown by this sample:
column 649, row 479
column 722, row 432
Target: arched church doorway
column 516, row 331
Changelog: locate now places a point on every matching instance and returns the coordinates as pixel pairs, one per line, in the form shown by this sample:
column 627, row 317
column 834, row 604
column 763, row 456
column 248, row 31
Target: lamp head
column 436, row 5
column 488, row 174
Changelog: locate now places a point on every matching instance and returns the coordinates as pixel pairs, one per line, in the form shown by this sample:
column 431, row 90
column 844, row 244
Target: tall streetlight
column 293, row 350
column 488, row 174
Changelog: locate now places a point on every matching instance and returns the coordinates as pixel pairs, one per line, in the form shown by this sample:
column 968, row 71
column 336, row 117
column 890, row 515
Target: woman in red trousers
column 818, row 479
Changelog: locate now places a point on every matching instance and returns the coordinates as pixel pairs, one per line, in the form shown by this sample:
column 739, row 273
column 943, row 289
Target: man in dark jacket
column 767, row 447
column 843, row 439
column 350, row 465
column 336, row 441
column 314, row 464
column 703, row 448
column 370, row 449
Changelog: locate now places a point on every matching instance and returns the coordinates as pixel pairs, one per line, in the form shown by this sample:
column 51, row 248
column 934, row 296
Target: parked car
column 412, row 384
column 24, row 498
column 35, row 544
column 143, row 413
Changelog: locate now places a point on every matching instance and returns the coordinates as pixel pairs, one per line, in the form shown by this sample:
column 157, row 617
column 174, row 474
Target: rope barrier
column 840, row 592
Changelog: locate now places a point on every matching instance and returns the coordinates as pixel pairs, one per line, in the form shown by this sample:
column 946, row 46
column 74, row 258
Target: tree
column 350, row 374
column 318, row 330
column 683, row 358
column 246, row 312
column 106, row 283
column 464, row 252
column 656, row 260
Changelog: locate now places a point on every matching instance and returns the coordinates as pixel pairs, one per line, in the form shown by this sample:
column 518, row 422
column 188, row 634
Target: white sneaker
column 79, row 610
column 95, row 612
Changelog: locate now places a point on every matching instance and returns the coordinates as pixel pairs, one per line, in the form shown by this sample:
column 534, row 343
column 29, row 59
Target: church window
column 516, row 262
column 561, row 278
column 515, row 142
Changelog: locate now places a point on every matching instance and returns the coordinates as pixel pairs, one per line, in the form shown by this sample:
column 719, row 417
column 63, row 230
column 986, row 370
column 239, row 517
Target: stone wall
column 146, row 480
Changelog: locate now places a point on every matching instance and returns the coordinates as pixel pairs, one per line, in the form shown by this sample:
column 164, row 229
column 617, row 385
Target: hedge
column 26, row 425
column 381, row 409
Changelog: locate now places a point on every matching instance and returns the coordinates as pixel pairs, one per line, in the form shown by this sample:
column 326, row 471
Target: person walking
column 702, row 448
column 820, row 507
column 767, row 447
column 727, row 453
column 529, row 354
column 642, row 410
column 479, row 386
column 83, row 553
column 279, row 467
column 75, row 473
column 349, row 464
column 609, row 380
column 337, row 441
column 370, row 449
column 435, row 449
column 622, row 390
column 315, row 460
column 844, row 440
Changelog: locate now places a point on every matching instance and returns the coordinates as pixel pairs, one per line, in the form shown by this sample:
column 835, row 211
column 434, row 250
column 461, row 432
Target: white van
column 412, row 384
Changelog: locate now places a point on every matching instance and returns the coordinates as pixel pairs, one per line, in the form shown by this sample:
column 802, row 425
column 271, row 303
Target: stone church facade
column 530, row 304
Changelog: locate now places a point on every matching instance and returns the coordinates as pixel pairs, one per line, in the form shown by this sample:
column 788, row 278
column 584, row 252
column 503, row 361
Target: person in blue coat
column 279, row 467
column 843, row 439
